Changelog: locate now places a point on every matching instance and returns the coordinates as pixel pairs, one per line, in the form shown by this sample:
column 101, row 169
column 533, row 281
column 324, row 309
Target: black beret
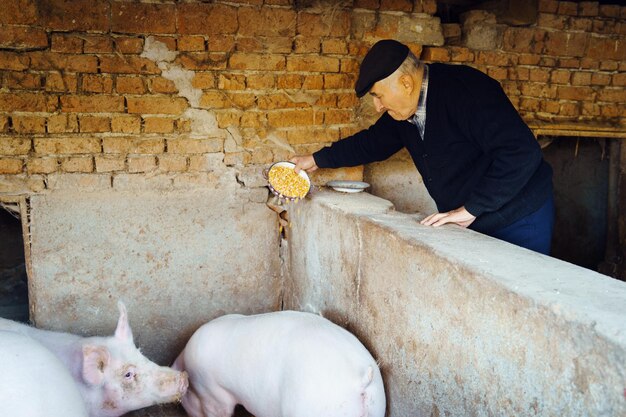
column 380, row 62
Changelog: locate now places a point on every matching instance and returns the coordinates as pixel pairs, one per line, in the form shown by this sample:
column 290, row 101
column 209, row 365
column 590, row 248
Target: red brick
column 581, row 78
column 161, row 85
column 523, row 39
column 601, row 78
column 274, row 44
column 22, row 38
column 23, row 80
column 11, row 166
column 312, row 63
column 13, row 61
column 42, row 165
column 128, row 45
column 316, row 25
column 135, row 17
column 397, row 5
column 130, row 85
column 541, row 75
column 126, row 124
column 613, row 95
column 66, row 83
column 92, row 104
column 266, row 21
column 539, row 90
column 602, row 48
column 93, row 124
column 206, row 19
column 231, row 82
column 156, row 105
column 18, row 12
column 245, row 61
column 204, row 81
column 28, row 102
column 97, row 83
column 141, row 163
column 278, row 101
column 97, row 44
column 619, row 80
column 338, row 116
column 299, row 117
column 63, row 62
column 191, row 43
column 260, row 81
column 66, row 43
column 313, row 82
column 253, row 119
column 29, row 124
column 460, row 54
column 609, row 10
column 306, row 44
column 110, row 163
column 338, row 81
column 75, row 15
column 158, row 125
column 221, row 43
column 230, row 118
column 588, row 8
column 127, row 64
column 12, row 146
column 172, row 163
column 548, row 6
column 203, row 61
column 77, row 164
column 367, row 4
column 434, row 54
column 197, row 146
column 575, row 93
column 62, row 123
column 66, row 145
column 560, row 77
column 334, row 46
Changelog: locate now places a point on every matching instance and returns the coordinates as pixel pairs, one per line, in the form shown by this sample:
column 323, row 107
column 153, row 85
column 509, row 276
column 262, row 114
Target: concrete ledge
column 463, row 324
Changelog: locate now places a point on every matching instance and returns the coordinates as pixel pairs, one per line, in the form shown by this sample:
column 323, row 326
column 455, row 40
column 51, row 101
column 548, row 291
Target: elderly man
column 479, row 161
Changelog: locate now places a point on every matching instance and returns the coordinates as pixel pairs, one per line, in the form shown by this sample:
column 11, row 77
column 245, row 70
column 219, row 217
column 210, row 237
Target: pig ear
column 123, row 331
column 95, row 360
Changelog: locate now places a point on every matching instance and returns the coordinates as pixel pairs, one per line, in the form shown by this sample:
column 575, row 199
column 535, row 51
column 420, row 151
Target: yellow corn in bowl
column 285, row 183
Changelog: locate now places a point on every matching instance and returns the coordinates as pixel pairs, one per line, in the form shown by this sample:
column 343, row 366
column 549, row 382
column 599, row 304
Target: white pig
column 34, row 382
column 280, row 364
column 112, row 375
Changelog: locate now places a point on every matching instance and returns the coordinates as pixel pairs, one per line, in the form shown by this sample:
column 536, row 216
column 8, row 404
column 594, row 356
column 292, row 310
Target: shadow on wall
column 13, row 280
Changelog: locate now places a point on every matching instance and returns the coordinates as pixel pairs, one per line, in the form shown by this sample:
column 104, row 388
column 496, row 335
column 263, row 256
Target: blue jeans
column 532, row 232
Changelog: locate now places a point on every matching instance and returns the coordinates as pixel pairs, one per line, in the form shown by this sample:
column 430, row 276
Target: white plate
column 348, row 186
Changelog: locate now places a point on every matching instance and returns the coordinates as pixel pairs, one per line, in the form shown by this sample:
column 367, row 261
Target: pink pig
column 280, row 364
column 113, row 377
column 34, row 382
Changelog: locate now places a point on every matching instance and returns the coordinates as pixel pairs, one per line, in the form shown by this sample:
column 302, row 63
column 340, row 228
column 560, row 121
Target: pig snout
column 171, row 385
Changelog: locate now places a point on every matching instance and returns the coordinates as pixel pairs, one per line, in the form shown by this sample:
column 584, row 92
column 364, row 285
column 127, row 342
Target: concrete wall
column 177, row 259
column 463, row 324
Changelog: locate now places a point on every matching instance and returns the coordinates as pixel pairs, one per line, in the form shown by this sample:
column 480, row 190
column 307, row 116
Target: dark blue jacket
column 477, row 151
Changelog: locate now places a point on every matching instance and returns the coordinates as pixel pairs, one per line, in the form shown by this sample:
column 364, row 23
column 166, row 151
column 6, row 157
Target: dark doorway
column 13, row 279
column 581, row 171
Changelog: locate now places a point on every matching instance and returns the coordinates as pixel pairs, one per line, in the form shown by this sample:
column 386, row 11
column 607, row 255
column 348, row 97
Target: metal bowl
column 291, row 165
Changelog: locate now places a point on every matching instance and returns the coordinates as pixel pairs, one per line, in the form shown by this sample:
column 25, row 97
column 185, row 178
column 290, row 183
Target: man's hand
column 305, row 162
column 459, row 216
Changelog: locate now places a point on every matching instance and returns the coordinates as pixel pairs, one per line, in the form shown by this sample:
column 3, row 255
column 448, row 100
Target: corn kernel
column 286, row 182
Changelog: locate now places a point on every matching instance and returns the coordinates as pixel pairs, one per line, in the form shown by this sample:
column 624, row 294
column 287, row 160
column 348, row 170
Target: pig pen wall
column 462, row 324
column 176, row 258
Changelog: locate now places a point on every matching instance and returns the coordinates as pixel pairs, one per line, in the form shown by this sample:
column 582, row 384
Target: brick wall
column 96, row 93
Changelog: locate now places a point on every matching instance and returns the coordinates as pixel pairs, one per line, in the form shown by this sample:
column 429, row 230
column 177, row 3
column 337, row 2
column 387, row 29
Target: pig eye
column 129, row 375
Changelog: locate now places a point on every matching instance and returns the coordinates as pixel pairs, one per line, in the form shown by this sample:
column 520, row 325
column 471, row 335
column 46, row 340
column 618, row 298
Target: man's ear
column 407, row 83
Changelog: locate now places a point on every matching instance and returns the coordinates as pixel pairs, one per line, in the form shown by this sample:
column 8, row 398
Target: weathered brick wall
column 106, row 93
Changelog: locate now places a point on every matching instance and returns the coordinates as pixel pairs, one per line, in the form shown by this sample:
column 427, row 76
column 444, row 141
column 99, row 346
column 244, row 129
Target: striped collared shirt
column 419, row 118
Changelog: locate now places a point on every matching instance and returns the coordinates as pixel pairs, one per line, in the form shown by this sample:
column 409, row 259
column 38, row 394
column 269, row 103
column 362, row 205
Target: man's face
column 394, row 96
